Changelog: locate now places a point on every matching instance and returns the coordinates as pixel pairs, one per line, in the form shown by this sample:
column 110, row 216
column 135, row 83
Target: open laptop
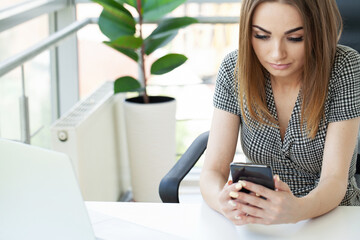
column 40, row 199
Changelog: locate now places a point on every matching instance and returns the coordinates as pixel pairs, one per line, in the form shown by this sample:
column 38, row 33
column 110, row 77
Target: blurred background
column 69, row 70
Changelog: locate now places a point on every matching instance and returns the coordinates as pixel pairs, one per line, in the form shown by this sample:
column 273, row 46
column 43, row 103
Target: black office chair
column 349, row 10
column 169, row 185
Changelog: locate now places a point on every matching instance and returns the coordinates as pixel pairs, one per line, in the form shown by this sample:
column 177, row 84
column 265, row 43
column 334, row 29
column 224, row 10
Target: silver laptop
column 40, row 199
column 39, row 195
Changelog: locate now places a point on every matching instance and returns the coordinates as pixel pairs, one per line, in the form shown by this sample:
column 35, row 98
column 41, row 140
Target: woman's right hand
column 229, row 204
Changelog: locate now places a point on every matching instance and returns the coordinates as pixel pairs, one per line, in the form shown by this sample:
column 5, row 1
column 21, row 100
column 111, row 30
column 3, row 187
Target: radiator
column 88, row 135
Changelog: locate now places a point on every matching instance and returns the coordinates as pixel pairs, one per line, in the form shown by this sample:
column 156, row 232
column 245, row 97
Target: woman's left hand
column 279, row 206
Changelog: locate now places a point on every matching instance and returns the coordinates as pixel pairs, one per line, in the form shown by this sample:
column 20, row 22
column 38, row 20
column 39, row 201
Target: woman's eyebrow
column 287, row 32
column 256, row 26
column 294, row 30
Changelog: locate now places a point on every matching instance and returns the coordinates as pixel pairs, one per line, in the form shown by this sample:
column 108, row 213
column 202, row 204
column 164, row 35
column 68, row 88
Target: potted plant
column 150, row 120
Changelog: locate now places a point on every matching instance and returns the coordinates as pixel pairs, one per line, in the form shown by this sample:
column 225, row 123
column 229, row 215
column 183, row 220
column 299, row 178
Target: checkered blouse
column 297, row 159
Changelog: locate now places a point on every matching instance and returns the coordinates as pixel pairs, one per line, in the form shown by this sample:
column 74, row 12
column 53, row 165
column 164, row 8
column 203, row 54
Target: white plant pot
column 150, row 130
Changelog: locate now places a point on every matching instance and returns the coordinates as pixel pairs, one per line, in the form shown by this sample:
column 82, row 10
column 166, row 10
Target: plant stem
column 142, row 52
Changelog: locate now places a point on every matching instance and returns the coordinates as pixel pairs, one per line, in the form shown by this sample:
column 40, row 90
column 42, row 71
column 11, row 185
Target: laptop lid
column 39, row 195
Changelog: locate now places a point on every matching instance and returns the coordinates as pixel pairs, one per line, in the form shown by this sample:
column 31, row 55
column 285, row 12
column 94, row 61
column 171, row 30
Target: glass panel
column 38, row 90
column 10, row 92
column 21, row 37
column 37, row 83
column 209, row 9
column 205, row 45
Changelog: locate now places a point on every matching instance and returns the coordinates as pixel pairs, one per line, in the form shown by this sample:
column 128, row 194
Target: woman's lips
column 279, row 66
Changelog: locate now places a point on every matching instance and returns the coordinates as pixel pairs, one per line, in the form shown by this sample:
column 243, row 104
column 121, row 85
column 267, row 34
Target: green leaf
column 115, row 6
column 152, row 44
column 126, row 42
column 128, row 52
column 130, row 2
column 156, row 9
column 112, row 27
column 126, row 84
column 171, row 25
column 167, row 63
column 118, row 11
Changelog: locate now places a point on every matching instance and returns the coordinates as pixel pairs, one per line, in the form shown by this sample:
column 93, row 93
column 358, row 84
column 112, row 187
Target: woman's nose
column 278, row 51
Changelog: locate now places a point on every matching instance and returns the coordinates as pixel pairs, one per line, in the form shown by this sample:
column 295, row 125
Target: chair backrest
column 349, row 10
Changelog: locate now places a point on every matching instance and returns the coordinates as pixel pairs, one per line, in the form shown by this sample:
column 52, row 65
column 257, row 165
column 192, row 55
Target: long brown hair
column 322, row 26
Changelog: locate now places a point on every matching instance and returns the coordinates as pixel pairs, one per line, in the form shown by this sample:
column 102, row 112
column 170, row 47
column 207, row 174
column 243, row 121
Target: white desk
column 198, row 221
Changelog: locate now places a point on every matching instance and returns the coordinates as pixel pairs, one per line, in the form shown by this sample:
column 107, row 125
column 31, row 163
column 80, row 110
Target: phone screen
column 256, row 173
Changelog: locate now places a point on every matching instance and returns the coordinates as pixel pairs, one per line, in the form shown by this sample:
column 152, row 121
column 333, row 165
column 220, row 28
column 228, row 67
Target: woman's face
column 278, row 40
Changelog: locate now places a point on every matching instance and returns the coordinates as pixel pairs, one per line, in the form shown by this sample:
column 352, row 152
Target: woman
column 294, row 94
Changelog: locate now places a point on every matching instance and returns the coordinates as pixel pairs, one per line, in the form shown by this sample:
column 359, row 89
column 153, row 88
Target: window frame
column 63, row 58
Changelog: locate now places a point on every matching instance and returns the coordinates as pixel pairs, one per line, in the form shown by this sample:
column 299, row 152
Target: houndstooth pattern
column 297, row 159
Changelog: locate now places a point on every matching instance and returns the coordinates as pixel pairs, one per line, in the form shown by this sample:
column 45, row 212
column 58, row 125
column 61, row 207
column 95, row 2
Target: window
column 24, row 25
column 192, row 84
column 37, row 81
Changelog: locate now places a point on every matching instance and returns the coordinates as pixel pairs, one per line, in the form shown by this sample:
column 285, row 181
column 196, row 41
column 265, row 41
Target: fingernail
column 238, row 186
column 277, row 178
column 230, row 182
column 237, row 217
column 242, row 183
column 258, row 195
column 234, row 194
column 232, row 203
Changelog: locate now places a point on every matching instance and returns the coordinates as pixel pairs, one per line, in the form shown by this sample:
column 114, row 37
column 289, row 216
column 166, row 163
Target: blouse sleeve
column 225, row 96
column 345, row 87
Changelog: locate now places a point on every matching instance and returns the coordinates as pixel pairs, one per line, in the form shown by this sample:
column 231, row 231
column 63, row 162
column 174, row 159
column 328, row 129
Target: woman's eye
column 298, row 39
column 263, row 37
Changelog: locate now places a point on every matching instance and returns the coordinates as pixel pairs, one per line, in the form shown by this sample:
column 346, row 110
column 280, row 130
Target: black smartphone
column 256, row 173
